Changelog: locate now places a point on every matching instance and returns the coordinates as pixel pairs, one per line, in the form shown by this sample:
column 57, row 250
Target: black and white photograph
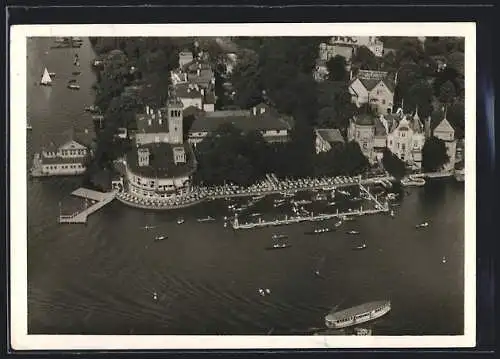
column 258, row 186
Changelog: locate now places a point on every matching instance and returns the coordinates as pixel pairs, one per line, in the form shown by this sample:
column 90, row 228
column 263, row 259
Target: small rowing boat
column 319, row 231
column 422, row 225
column 352, row 232
column 160, row 238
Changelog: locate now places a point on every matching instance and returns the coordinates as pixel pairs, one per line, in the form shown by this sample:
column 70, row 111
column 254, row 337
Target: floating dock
column 379, row 208
column 100, row 200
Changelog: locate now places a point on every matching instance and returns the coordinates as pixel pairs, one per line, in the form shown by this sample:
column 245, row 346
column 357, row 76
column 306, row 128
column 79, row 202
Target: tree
column 365, row 59
column 392, row 164
column 420, row 95
column 434, row 155
column 246, row 80
column 447, row 92
column 456, row 116
column 336, row 69
column 352, row 161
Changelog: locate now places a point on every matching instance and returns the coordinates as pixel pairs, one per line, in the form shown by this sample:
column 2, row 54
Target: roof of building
column 144, row 126
column 53, row 141
column 364, row 119
column 191, row 110
column 210, row 97
column 380, row 128
column 330, row 135
column 187, row 90
column 202, row 79
column 161, row 161
column 444, row 126
column 243, row 119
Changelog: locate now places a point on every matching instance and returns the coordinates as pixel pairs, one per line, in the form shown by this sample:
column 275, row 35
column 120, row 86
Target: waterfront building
column 375, row 88
column 262, row 118
column 401, row 133
column 161, row 165
column 446, row 132
column 327, row 138
column 64, row 154
column 405, row 137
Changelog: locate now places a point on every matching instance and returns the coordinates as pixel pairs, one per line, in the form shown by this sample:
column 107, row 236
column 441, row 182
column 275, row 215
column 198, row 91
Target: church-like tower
column 175, row 118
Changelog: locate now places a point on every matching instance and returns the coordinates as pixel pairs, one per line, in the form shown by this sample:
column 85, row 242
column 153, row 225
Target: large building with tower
column 161, row 164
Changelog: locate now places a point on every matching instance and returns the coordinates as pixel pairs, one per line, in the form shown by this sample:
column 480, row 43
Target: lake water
column 99, row 278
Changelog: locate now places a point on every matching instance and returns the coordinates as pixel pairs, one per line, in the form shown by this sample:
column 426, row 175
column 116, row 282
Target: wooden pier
column 379, row 208
column 100, row 200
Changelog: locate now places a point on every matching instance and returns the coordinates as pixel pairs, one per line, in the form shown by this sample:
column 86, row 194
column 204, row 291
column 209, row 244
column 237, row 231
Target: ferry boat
column 356, row 315
column 319, row 231
column 180, row 220
column 279, row 236
column 352, row 232
column 422, row 225
column 206, row 219
column 279, row 246
column 160, row 238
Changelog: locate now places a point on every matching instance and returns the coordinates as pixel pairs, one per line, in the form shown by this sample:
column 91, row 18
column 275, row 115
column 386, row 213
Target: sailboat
column 46, row 80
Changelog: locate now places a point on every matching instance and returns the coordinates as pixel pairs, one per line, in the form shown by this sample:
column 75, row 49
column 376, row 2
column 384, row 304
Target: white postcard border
column 20, row 340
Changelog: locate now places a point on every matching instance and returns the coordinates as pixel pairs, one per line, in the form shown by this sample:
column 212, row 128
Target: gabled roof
column 331, row 135
column 54, row 141
column 364, row 119
column 444, row 126
column 186, row 90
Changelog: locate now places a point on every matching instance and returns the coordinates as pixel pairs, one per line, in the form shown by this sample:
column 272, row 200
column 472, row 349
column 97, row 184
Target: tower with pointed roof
column 445, row 132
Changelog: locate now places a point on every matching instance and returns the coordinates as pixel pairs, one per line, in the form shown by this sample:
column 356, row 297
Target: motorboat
column 333, row 203
column 206, row 219
column 302, row 201
column 148, row 227
column 279, row 246
column 319, row 231
column 357, row 315
column 279, row 236
column 338, row 224
column 180, row 220
column 160, row 238
column 92, row 109
column 422, row 225
column 352, row 232
column 46, row 79
column 362, row 246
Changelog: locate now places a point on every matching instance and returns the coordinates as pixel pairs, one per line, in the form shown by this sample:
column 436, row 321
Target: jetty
column 99, row 199
column 379, row 208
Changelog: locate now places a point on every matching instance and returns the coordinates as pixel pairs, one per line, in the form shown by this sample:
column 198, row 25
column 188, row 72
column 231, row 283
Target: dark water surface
column 99, row 278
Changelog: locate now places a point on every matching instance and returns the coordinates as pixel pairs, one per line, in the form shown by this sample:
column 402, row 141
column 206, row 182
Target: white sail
column 46, row 78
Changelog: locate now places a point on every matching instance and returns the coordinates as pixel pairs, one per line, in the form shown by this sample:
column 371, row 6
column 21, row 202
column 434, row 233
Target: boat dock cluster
column 379, row 208
column 271, row 185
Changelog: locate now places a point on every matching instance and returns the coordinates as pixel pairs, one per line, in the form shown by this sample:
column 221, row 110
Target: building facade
column 63, row 156
column 375, row 88
column 326, row 139
column 445, row 132
column 262, row 118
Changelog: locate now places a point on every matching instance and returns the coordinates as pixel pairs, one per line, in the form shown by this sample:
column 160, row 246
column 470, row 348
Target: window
column 403, row 133
column 383, row 102
column 403, row 146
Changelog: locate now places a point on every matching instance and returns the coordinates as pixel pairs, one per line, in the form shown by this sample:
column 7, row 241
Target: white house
column 446, row 132
column 374, row 88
